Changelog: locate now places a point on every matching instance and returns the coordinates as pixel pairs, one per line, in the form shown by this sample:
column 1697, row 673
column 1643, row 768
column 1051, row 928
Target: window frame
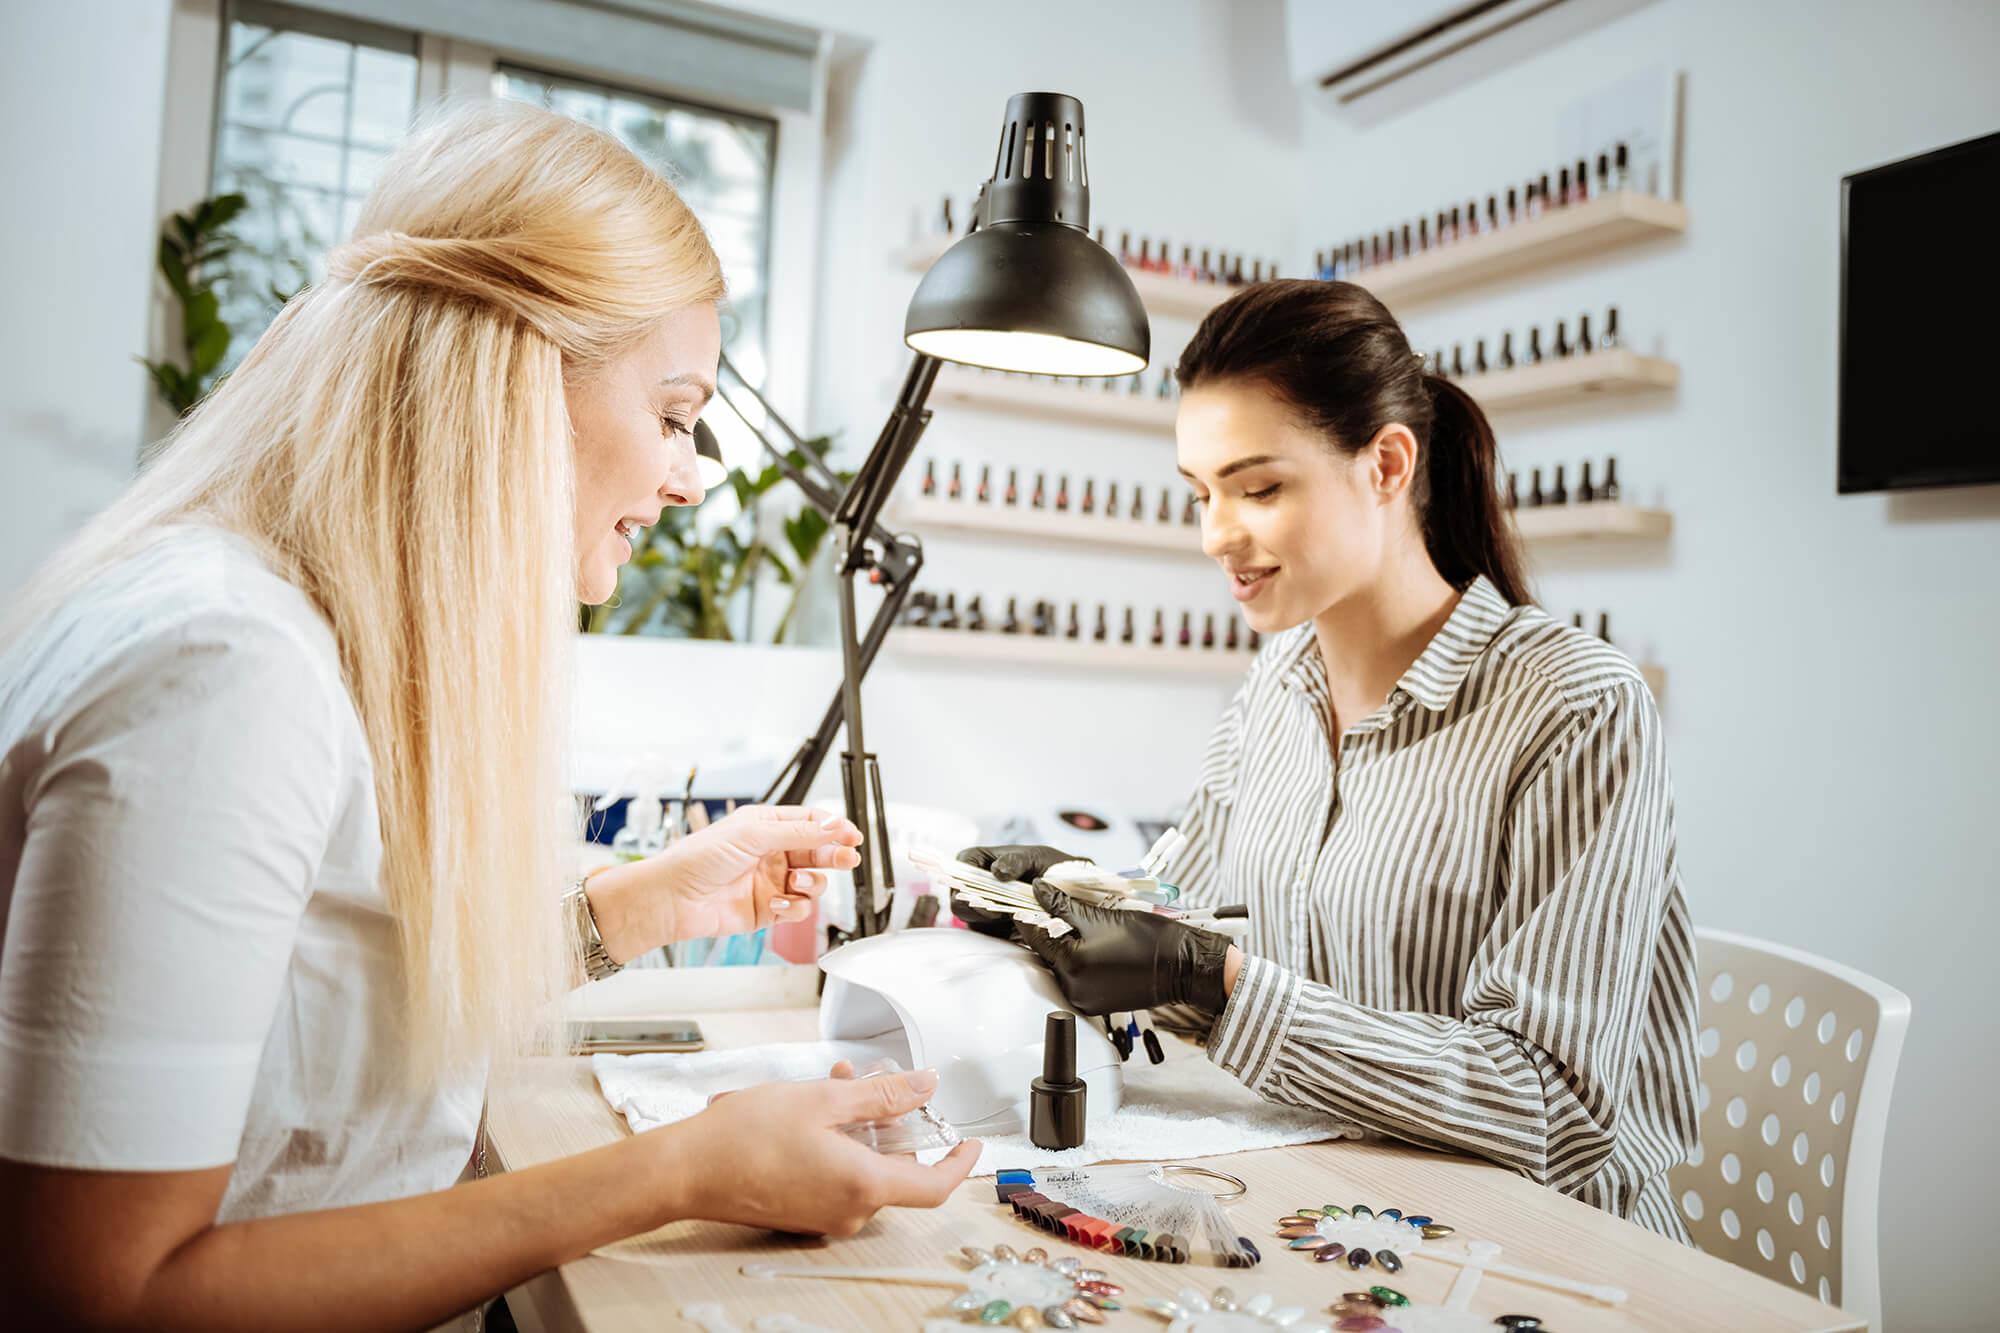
column 448, row 70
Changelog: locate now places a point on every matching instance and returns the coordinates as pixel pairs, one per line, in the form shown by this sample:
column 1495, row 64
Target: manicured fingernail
column 830, row 821
column 781, row 904
column 924, row 1080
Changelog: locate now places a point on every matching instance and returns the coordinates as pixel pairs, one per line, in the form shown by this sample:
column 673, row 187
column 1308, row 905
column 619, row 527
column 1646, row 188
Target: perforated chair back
column 1798, row 1060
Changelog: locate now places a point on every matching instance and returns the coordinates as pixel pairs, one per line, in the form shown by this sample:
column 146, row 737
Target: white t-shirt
column 197, row 966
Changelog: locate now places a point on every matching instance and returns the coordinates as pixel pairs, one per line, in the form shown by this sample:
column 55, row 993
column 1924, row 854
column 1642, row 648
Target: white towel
column 1174, row 1111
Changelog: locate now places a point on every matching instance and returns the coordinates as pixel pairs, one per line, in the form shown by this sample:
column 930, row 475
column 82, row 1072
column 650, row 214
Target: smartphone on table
column 637, row 1036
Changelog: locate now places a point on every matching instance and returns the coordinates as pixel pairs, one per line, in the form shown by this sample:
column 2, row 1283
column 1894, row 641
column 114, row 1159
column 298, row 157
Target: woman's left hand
column 760, row 865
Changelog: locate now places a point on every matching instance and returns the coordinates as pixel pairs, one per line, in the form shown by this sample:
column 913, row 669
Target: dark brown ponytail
column 1337, row 355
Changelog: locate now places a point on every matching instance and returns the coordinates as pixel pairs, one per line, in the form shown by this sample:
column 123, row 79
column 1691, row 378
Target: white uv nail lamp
column 971, row 1007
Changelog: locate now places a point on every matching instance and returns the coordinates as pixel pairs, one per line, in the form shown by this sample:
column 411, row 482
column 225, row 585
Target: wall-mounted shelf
column 991, row 647
column 995, row 648
column 1171, row 298
column 1595, row 521
column 1592, row 521
column 1065, row 402
column 1576, row 378
column 1559, row 235
column 1019, row 520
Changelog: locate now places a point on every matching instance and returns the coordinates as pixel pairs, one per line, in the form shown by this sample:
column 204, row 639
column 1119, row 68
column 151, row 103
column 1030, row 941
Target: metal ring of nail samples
column 1237, row 1188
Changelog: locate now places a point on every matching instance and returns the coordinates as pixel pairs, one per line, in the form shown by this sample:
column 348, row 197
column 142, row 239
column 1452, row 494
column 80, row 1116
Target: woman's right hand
column 773, row 1156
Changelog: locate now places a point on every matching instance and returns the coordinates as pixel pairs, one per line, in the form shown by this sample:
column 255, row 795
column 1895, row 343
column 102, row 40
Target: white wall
column 80, row 100
column 1830, row 707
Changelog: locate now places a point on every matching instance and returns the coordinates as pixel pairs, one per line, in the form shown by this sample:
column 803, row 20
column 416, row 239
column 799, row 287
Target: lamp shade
column 1029, row 290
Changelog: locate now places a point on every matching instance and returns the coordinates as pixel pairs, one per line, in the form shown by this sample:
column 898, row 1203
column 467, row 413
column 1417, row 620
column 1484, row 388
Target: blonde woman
column 281, row 789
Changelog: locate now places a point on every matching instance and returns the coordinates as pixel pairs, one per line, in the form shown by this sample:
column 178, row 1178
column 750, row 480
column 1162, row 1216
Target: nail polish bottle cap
column 1056, row 1100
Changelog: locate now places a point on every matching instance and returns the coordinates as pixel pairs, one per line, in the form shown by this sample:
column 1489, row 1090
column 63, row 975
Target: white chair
column 1798, row 1059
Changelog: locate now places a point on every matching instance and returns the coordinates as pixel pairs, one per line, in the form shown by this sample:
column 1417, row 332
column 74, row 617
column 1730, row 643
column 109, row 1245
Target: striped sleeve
column 1534, row 1075
column 1196, row 868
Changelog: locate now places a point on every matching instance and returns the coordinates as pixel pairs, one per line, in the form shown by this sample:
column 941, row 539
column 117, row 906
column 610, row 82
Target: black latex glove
column 1008, row 863
column 1017, row 861
column 1113, row 960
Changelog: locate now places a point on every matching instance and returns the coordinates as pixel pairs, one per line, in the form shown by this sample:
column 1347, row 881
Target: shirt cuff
column 1254, row 1022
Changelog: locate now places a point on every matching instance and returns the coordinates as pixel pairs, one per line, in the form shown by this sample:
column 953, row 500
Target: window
column 720, row 161
column 309, row 108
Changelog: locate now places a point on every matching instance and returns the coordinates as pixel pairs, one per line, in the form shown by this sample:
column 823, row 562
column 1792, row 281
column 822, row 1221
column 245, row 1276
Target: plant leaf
column 208, row 349
column 173, row 266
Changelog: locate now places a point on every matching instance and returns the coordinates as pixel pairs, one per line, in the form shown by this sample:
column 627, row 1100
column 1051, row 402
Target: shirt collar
column 1433, row 679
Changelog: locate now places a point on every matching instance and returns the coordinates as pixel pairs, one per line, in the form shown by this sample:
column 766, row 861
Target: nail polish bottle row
column 1161, row 384
column 1603, row 623
column 1561, row 346
column 1048, row 620
column 1204, row 265
column 1573, row 183
column 1587, row 490
column 1062, row 500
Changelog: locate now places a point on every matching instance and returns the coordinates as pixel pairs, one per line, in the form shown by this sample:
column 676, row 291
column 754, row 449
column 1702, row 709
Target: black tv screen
column 1920, row 321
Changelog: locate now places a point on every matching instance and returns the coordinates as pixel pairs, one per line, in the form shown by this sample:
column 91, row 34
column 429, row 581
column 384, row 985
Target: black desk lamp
column 1025, row 290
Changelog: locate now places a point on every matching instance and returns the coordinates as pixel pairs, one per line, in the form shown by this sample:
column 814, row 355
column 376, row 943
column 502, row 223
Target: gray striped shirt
column 1467, row 926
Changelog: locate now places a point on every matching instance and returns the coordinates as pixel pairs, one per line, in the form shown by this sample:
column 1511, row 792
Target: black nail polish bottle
column 1138, row 502
column 975, row 618
column 1609, row 341
column 1012, row 624
column 985, row 494
column 1560, row 494
column 1057, row 1101
column 1562, row 340
column 1230, row 640
column 1534, row 356
column 949, row 620
column 1479, row 366
column 1576, row 620
column 1610, row 491
column 1102, row 630
column 1604, row 626
column 1045, row 619
column 1073, row 630
column 1125, row 633
column 1585, row 492
column 1187, row 629
column 1535, row 500
column 1208, row 630
column 1513, row 490
column 1507, row 350
column 1457, row 361
column 1159, row 627
column 1583, row 342
column 1256, row 640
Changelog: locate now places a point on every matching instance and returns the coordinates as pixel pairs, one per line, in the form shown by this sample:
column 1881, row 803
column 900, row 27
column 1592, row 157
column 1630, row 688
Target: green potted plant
column 687, row 576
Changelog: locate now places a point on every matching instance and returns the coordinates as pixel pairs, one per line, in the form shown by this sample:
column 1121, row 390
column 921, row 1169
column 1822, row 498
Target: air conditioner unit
column 1372, row 60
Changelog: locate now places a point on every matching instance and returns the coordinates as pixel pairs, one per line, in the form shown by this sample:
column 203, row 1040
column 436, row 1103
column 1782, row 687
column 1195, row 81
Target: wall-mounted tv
column 1920, row 321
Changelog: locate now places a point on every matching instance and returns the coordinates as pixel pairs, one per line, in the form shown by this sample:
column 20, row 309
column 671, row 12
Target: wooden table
column 549, row 1108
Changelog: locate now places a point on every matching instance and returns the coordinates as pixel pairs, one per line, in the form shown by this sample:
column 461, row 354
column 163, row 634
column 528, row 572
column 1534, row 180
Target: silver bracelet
column 597, row 964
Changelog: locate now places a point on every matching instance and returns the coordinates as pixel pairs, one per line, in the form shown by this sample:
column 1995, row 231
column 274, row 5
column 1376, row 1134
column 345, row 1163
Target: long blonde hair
column 397, row 446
